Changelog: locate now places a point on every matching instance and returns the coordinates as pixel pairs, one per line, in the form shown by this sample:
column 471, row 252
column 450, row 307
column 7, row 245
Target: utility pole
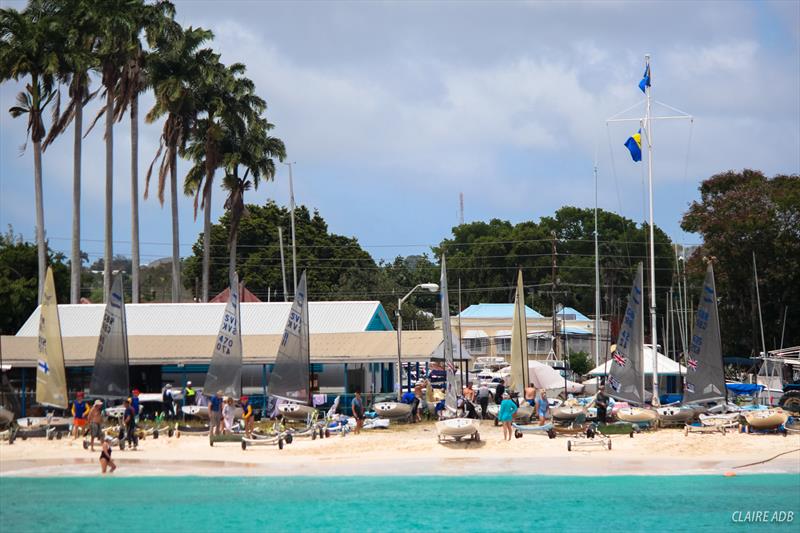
column 553, row 284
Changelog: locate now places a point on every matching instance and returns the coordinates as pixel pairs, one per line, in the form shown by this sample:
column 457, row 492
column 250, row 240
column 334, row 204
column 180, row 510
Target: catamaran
column 452, row 426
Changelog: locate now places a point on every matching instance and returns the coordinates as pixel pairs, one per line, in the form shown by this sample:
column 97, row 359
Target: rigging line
column 686, row 170
column 616, row 185
column 768, row 460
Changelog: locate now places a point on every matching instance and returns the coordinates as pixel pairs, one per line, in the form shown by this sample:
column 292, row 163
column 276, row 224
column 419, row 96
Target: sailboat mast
column 596, row 277
column 653, row 318
column 761, row 327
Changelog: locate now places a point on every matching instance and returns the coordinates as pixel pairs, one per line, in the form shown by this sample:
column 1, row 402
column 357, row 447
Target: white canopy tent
column 546, row 377
column 666, row 366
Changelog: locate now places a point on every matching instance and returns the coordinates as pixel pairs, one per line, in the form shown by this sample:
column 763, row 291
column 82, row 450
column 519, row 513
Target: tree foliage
column 740, row 214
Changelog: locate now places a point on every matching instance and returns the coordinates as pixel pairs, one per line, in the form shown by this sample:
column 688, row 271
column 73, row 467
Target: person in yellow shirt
column 248, row 416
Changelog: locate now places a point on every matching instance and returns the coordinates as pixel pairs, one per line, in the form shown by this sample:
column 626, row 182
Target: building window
column 477, row 346
column 503, row 345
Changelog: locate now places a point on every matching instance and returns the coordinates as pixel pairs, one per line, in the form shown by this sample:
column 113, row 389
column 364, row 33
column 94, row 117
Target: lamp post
column 431, row 287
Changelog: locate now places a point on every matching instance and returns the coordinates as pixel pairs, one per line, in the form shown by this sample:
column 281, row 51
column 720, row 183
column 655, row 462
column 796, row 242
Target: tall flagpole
column 596, row 276
column 653, row 317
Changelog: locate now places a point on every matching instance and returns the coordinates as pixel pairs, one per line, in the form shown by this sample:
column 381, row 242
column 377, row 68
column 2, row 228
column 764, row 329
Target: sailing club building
column 352, row 344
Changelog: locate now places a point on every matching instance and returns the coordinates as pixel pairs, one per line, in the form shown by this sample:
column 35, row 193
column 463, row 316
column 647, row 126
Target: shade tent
column 546, row 377
column 666, row 366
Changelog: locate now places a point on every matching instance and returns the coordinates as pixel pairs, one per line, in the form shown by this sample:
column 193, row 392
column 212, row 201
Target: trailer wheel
column 244, row 445
column 518, row 434
column 569, row 445
column 155, row 433
column 177, row 433
column 609, row 444
column 321, row 433
column 313, row 435
column 170, row 432
column 477, row 436
column 327, row 433
column 280, row 444
column 289, row 438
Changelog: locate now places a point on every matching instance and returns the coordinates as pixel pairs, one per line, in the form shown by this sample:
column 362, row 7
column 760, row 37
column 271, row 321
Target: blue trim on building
column 496, row 311
column 379, row 321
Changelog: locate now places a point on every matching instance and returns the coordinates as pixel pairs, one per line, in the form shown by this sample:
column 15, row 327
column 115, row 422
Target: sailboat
column 705, row 379
column 110, row 380
column 520, row 369
column 289, row 380
column 51, row 378
column 626, row 377
column 452, row 426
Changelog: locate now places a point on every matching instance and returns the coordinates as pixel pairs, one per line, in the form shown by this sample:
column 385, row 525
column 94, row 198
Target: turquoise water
column 467, row 504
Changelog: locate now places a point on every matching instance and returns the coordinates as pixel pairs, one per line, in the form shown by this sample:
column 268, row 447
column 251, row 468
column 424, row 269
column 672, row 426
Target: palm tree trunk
column 37, row 185
column 75, row 253
column 135, row 199
column 207, row 239
column 232, row 251
column 108, row 248
column 176, row 257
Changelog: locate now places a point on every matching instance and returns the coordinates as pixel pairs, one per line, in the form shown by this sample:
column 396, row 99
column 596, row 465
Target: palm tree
column 177, row 68
column 27, row 49
column 76, row 60
column 157, row 21
column 231, row 104
column 117, row 30
column 253, row 149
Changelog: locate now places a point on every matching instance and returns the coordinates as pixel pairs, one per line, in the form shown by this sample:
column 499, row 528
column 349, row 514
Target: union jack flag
column 692, row 363
column 619, row 359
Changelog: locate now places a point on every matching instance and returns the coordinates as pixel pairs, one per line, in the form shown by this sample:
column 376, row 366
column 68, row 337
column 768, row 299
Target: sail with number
column 451, row 396
column 626, row 377
column 110, row 375
column 289, row 378
column 225, row 371
column 519, row 342
column 705, row 377
column 51, row 379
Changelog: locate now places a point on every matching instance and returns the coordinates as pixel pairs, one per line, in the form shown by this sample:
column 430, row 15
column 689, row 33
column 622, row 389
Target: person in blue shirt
column 79, row 411
column 135, row 401
column 357, row 405
column 541, row 407
column 506, row 414
column 215, row 414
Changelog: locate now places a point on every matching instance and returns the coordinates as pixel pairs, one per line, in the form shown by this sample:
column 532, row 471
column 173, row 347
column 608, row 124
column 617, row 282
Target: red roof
column 222, row 297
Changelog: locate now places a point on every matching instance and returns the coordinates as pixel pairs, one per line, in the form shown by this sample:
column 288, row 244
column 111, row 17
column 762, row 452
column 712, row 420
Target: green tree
column 18, row 281
column 28, row 50
column 176, row 68
column 579, row 362
column 740, row 214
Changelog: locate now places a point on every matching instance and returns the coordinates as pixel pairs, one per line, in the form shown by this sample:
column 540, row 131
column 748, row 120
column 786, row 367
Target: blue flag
column 646, row 79
column 634, row 145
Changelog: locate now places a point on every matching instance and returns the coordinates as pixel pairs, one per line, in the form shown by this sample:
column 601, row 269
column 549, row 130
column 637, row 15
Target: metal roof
column 329, row 348
column 496, row 311
column 263, row 318
column 570, row 313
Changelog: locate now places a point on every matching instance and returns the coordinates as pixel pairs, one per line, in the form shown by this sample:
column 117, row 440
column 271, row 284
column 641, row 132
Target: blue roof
column 570, row 313
column 380, row 321
column 496, row 311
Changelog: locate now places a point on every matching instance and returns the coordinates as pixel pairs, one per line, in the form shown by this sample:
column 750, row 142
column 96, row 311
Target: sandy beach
column 414, row 450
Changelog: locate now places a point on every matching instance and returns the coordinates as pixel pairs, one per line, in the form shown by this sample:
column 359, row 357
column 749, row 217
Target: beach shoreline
column 413, row 450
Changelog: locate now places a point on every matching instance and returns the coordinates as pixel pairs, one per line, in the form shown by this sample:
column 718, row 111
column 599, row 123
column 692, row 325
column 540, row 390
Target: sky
column 389, row 110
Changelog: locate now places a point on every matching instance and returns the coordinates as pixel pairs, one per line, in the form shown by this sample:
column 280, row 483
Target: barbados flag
column 645, row 79
column 634, row 145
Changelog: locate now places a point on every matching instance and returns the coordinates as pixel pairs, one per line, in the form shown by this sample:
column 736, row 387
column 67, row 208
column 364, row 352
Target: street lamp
column 431, row 287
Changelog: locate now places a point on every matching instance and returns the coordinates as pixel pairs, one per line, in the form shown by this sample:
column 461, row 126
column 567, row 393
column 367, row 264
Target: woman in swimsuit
column 105, row 458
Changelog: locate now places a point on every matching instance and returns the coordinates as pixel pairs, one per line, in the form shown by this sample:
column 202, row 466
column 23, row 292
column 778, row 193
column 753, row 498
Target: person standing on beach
column 506, row 415
column 129, row 419
column 247, row 416
column 530, row 394
column 189, row 394
column 166, row 401
column 357, row 405
column 483, row 400
column 542, row 405
column 500, row 391
column 601, row 401
column 135, row 401
column 96, row 422
column 227, row 415
column 215, row 414
column 105, row 458
column 79, row 411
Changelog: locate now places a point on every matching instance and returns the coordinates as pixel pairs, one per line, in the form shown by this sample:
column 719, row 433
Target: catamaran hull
column 392, row 410
column 296, row 411
column 458, row 428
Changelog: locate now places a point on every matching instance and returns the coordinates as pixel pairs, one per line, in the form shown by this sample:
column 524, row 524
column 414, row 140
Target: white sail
column 51, row 380
column 519, row 342
column 625, row 379
column 289, row 377
column 110, row 374
column 451, row 397
column 705, row 377
column 225, row 371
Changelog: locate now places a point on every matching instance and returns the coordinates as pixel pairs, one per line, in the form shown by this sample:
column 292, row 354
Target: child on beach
column 105, row 458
